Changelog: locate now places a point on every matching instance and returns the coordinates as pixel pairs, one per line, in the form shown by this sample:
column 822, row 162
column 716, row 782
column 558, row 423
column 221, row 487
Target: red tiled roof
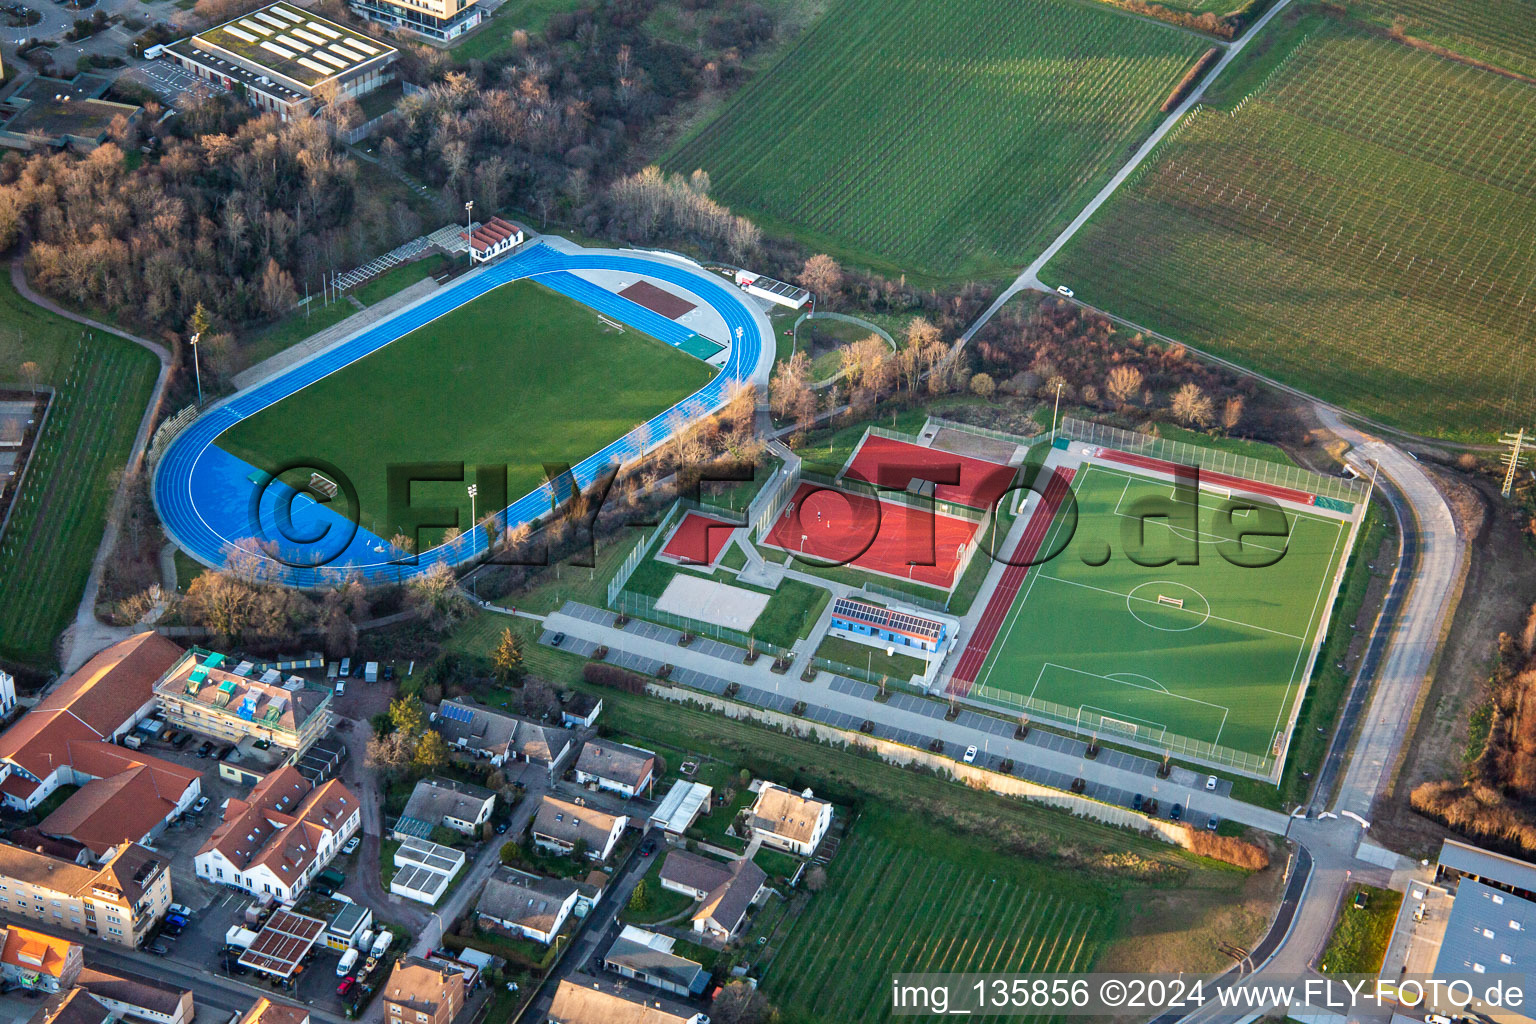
column 90, row 704
column 131, row 795
column 280, row 823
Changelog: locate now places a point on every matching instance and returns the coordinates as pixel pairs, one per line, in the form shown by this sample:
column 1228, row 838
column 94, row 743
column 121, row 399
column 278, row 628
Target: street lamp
column 1055, row 407
column 469, row 229
column 197, row 368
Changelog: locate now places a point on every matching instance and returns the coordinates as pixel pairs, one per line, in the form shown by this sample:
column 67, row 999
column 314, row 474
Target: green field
column 1215, row 678
column 942, row 140
column 892, row 906
column 1363, row 226
column 1498, row 32
column 103, row 384
column 521, row 376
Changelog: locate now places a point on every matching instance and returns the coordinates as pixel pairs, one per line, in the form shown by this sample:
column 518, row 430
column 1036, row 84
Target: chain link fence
column 1214, row 461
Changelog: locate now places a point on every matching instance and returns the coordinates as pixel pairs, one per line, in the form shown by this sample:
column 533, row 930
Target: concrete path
column 88, row 635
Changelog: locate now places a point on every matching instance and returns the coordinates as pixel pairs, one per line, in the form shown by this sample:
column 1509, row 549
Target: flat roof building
column 203, row 692
column 60, row 112
column 438, row 20
column 287, row 59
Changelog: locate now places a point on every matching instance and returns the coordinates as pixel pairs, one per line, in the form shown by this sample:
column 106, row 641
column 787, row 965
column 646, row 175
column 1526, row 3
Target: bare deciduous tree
column 1191, row 406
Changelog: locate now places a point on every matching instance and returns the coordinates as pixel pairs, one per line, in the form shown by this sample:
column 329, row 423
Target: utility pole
column 1055, row 409
column 1513, row 460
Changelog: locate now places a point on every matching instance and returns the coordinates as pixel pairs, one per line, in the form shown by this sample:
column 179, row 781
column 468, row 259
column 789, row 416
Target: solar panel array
column 455, row 713
column 428, row 854
column 887, row 618
column 283, row 943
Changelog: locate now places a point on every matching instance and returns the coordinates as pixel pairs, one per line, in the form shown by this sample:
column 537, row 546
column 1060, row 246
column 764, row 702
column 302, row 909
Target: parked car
column 970, row 754
column 1210, row 783
column 182, row 740
column 200, row 806
column 648, row 847
column 225, row 751
column 345, row 986
column 501, row 828
column 557, row 640
column 160, row 949
column 205, row 749
column 389, row 672
column 176, row 920
column 1136, row 802
column 1177, row 813
column 180, row 909
column 352, row 845
column 1064, row 290
column 1211, row 823
column 173, row 930
column 171, row 735
column 1361, row 899
column 341, row 688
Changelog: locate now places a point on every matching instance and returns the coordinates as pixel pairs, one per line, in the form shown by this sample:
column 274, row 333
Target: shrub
column 599, row 674
column 1228, row 849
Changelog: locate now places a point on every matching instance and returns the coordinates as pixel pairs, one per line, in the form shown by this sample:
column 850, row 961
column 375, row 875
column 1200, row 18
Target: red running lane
column 1181, row 472
column 991, row 621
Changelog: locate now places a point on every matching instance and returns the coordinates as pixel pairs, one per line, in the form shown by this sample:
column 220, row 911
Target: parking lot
column 172, row 83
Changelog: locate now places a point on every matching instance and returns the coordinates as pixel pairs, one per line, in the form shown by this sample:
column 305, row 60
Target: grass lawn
column 733, row 558
column 1325, row 694
column 103, row 386
column 1358, row 944
column 864, row 656
column 187, row 570
column 493, row 40
column 399, row 278
column 661, row 904
column 519, row 377
column 1346, row 219
column 849, row 141
column 790, row 614
column 778, row 865
column 1222, row 669
column 267, row 341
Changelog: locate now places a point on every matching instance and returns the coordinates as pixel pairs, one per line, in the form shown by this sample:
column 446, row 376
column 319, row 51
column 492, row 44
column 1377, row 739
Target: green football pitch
column 521, row 376
column 1205, row 659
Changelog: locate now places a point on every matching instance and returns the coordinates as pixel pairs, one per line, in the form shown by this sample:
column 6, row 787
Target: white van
column 348, row 961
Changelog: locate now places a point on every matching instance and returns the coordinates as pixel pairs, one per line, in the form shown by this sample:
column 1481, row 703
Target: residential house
column 528, row 905
column 422, row 992
column 693, row 874
column 77, row 1006
column 581, row 711
column 583, row 999
column 203, row 692
column 280, row 836
column 133, row 995
column 560, row 824
column 447, row 803
column 785, row 820
column 118, row 900
column 647, row 957
column 723, row 912
column 616, row 767
column 501, row 738
column 44, row 963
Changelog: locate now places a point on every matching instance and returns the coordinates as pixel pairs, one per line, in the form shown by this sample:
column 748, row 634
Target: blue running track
column 210, row 501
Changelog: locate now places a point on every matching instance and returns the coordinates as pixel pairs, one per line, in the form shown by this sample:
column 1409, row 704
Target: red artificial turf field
column 698, row 539
column 886, row 462
column 879, row 537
